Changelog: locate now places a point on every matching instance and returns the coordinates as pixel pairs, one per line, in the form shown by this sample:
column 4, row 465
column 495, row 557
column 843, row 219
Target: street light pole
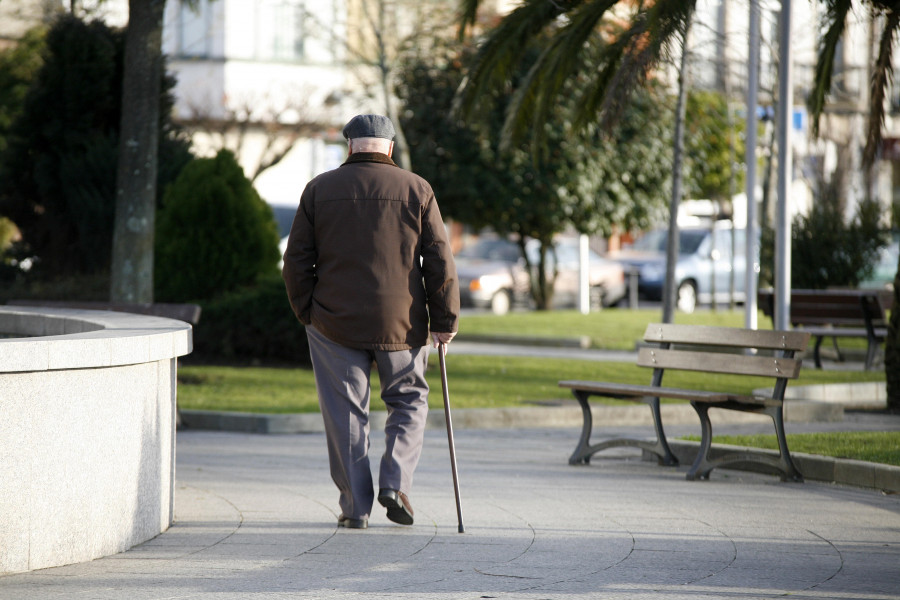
column 782, row 220
column 752, row 246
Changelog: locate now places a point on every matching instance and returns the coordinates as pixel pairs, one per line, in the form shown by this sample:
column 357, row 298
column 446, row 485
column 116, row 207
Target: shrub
column 826, row 250
column 253, row 323
column 58, row 169
column 213, row 234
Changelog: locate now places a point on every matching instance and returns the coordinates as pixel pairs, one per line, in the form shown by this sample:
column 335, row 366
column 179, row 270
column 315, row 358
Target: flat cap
column 372, row 126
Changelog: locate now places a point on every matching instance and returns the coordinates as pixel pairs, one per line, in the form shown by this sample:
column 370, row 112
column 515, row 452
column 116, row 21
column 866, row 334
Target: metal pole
column 752, row 247
column 442, row 349
column 584, row 280
column 782, row 220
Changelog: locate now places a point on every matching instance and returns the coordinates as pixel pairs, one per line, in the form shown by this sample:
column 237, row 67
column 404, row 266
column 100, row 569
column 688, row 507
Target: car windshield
column 655, row 241
column 501, row 250
column 567, row 252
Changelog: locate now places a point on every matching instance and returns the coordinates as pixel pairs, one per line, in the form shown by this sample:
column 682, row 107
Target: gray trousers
column 342, row 380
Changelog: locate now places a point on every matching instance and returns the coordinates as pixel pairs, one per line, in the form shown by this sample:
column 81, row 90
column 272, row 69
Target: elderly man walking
column 368, row 271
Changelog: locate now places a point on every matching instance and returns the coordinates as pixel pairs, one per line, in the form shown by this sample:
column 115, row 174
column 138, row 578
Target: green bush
column 58, row 167
column 213, row 234
column 253, row 323
column 826, row 250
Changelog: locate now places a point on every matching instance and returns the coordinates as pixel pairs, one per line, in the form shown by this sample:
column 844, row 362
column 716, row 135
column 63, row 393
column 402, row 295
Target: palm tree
column 633, row 47
column 885, row 14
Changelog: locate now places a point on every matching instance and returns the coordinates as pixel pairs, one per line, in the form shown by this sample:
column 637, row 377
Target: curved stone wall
column 87, row 432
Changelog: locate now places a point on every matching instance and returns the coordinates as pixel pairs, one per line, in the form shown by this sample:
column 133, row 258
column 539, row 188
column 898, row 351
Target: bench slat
column 729, row 364
column 624, row 390
column 880, row 332
column 726, row 337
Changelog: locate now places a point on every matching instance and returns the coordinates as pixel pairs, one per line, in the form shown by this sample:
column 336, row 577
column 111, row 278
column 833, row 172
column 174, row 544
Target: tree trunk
column 131, row 274
column 669, row 291
column 540, row 287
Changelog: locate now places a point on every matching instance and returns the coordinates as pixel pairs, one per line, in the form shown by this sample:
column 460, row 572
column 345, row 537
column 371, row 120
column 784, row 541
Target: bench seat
column 624, row 391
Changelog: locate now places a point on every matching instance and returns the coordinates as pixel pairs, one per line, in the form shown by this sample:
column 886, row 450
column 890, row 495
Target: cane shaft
column 444, row 387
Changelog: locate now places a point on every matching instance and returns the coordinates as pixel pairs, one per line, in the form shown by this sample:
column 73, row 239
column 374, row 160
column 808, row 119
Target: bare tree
column 261, row 129
column 382, row 31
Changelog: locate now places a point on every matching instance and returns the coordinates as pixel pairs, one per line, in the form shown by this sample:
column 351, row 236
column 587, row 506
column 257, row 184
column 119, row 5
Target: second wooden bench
column 835, row 314
column 714, row 350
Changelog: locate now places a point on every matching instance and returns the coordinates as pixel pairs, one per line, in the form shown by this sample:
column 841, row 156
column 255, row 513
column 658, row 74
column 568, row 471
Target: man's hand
column 442, row 338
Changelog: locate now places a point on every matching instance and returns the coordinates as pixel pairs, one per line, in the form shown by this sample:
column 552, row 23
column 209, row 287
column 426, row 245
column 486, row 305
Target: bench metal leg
column 582, row 455
column 661, row 447
column 816, row 356
column 584, row 450
column 789, row 470
column 871, row 353
column 704, row 463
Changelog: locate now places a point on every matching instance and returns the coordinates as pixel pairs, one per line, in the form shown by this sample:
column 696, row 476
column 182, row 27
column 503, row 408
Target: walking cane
column 442, row 348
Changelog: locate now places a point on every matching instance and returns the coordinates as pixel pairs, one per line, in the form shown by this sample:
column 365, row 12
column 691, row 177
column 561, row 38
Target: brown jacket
column 368, row 259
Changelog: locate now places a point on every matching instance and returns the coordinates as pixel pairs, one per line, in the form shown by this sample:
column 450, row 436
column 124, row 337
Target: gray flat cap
column 373, row 126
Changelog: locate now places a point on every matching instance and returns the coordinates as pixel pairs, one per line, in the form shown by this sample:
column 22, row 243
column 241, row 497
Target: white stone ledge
column 78, row 339
column 87, row 432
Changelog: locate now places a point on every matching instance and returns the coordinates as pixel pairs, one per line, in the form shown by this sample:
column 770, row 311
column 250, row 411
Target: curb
column 566, row 414
column 842, row 471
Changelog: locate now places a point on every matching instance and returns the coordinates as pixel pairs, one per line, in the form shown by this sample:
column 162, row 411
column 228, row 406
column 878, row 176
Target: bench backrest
column 712, row 350
column 841, row 308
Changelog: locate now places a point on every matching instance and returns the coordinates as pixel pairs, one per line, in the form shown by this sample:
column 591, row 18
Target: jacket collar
column 376, row 157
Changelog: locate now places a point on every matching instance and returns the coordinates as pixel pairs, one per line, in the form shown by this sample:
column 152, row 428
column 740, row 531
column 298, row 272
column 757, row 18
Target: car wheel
column 501, row 302
column 687, row 297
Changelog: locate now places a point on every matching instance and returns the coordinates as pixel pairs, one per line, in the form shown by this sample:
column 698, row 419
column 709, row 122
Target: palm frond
column 881, row 81
column 631, row 57
column 499, row 54
column 594, row 94
column 538, row 94
column 468, row 12
column 834, row 24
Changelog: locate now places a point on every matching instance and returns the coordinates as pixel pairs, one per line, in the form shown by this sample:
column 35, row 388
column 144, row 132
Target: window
column 280, row 31
column 194, row 29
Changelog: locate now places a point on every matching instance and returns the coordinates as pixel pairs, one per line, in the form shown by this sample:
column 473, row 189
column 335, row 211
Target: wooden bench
column 835, row 314
column 719, row 350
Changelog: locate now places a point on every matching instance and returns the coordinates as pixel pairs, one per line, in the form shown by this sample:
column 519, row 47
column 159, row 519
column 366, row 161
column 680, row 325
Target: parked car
column 885, row 269
column 703, row 270
column 492, row 275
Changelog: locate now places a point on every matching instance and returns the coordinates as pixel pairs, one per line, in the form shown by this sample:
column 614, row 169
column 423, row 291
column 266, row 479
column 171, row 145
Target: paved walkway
column 256, row 519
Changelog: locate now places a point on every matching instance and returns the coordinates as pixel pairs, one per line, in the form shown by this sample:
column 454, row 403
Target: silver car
column 492, row 275
column 704, row 269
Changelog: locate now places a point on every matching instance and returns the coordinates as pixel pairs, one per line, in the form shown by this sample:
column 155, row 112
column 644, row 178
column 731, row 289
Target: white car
column 492, row 275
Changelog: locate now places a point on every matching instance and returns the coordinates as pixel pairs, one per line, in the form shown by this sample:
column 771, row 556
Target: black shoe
column 399, row 510
column 353, row 523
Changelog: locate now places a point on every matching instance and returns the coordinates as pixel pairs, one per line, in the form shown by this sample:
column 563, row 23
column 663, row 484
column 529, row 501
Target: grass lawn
column 475, row 382
column 872, row 446
column 611, row 329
